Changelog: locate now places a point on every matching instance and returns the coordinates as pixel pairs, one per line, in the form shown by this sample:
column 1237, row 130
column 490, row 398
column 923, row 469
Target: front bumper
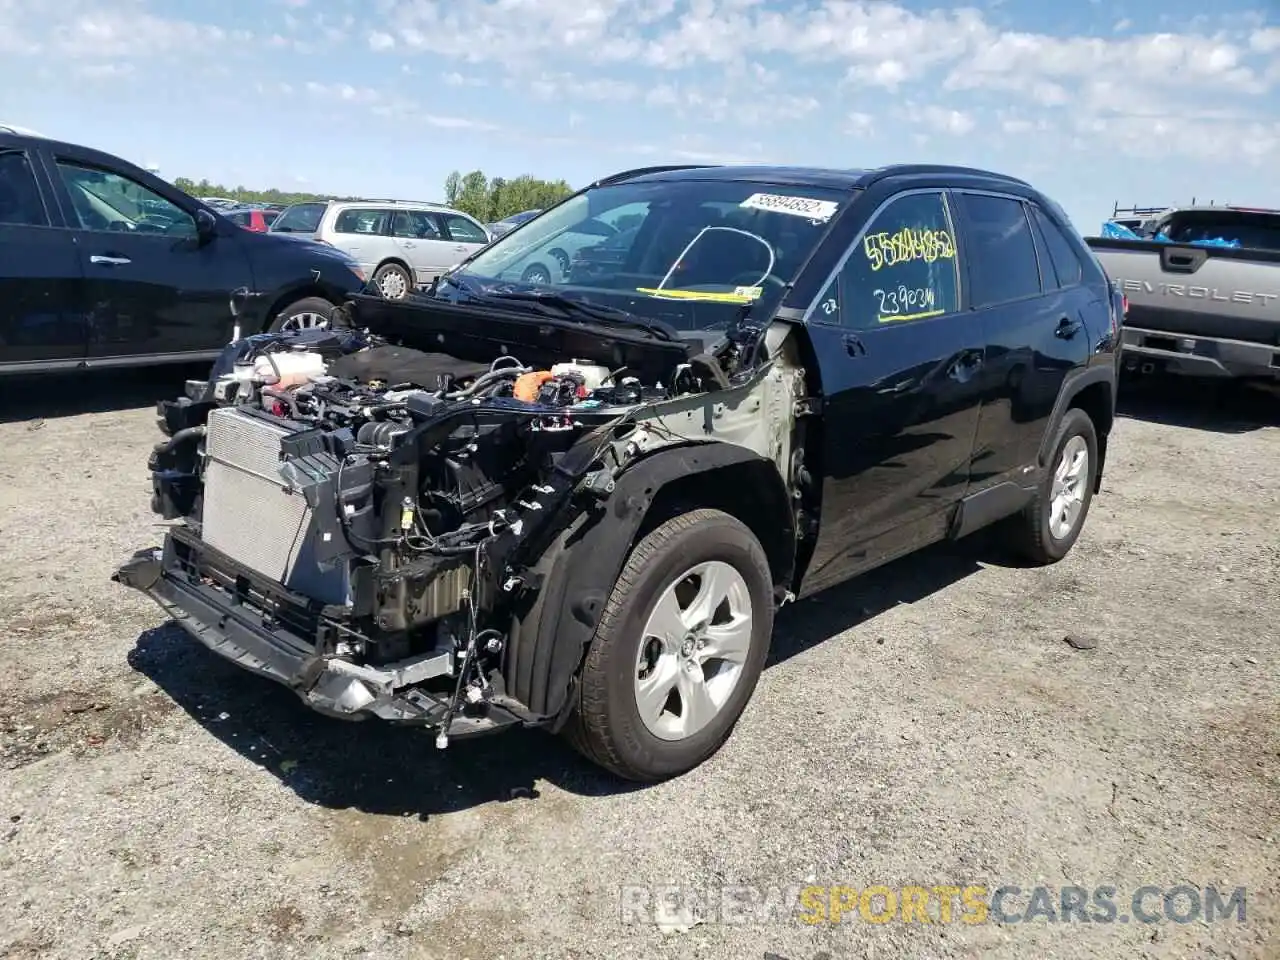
column 1150, row 350
column 244, row 634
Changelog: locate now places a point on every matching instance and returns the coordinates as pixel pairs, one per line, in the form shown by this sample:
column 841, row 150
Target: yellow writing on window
column 909, row 244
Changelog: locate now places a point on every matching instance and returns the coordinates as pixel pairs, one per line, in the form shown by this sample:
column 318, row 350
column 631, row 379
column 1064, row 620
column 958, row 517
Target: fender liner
column 548, row 640
column 1075, row 382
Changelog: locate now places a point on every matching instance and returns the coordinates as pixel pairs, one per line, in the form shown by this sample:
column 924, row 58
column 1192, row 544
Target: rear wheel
column 1049, row 526
column 306, row 314
column 392, row 281
column 678, row 650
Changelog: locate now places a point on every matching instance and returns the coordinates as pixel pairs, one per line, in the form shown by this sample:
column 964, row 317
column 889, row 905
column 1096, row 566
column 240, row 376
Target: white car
column 400, row 245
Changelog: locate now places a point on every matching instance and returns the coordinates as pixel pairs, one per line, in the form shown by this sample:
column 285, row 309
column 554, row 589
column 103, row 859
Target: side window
column 463, row 230
column 1066, row 264
column 104, row 200
column 414, row 225
column 19, row 196
column 1001, row 250
column 357, row 220
column 904, row 268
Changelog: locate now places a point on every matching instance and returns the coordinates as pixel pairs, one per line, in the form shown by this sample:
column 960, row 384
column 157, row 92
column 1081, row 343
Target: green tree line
column 474, row 193
column 489, row 200
column 203, row 188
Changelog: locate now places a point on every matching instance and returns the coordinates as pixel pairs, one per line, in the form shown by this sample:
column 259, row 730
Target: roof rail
column 910, row 169
column 415, row 203
column 18, row 131
column 641, row 171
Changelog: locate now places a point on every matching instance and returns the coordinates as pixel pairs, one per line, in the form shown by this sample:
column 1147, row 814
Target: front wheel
column 678, row 650
column 309, row 313
column 1049, row 526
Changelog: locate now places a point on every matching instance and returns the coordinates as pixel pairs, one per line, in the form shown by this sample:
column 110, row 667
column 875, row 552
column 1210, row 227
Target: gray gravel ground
column 926, row 725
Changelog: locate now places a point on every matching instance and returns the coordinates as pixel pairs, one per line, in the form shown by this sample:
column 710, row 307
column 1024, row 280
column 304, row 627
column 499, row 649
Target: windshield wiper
column 569, row 306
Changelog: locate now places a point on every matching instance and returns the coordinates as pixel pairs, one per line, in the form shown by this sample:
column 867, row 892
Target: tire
column 304, row 313
column 394, row 277
column 1034, row 533
column 606, row 725
column 536, row 273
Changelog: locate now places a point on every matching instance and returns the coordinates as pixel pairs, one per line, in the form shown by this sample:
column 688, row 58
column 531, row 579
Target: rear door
column 154, row 289
column 1035, row 326
column 365, row 233
column 900, row 363
column 41, row 286
column 425, row 245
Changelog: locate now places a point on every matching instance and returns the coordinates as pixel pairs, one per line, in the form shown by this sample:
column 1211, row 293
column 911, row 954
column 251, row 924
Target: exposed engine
column 371, row 495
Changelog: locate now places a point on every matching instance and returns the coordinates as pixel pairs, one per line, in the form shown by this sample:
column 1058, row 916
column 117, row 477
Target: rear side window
column 20, row 202
column 415, row 225
column 903, row 269
column 300, row 218
column 361, row 220
column 1001, row 250
column 1066, row 264
column 463, row 230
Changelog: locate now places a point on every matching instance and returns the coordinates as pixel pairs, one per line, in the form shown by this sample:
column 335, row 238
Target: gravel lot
column 927, row 725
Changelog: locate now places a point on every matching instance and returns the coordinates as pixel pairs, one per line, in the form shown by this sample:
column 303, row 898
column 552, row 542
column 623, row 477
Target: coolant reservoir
column 293, row 368
column 593, row 374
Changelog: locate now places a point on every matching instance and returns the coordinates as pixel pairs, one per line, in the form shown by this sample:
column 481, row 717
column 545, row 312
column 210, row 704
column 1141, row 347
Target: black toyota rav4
column 577, row 505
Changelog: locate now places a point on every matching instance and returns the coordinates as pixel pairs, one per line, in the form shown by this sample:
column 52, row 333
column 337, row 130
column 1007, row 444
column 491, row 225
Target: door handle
column 407, row 244
column 112, row 261
column 460, row 248
column 1067, row 328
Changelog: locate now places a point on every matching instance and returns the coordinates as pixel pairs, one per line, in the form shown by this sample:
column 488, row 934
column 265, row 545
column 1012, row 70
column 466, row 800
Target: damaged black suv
column 575, row 500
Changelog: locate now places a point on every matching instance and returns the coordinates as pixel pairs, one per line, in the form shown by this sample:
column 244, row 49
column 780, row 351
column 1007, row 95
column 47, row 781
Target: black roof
column 828, row 177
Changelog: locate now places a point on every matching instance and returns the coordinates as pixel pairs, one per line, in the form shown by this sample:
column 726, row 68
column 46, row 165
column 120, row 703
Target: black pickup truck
column 578, row 505
column 104, row 264
column 1203, row 290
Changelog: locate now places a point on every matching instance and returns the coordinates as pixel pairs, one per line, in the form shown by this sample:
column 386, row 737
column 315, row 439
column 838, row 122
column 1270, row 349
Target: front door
column 153, row 287
column 468, row 237
column 901, row 369
column 41, row 289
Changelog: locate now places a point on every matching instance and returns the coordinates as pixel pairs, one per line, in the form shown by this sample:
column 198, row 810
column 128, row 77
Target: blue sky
column 1141, row 101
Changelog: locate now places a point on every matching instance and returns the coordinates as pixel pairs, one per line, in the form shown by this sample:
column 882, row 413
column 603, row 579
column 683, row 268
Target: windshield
column 690, row 252
column 300, row 218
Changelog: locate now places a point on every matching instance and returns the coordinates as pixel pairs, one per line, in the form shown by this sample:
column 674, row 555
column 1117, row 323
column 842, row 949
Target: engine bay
column 377, row 498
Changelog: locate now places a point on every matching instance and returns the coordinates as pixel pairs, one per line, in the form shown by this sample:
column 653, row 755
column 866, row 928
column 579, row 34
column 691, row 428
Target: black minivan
column 104, row 264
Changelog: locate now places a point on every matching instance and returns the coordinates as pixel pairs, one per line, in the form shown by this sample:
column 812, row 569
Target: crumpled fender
column 548, row 641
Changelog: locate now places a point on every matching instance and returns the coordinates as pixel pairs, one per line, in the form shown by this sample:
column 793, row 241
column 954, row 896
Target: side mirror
column 206, row 225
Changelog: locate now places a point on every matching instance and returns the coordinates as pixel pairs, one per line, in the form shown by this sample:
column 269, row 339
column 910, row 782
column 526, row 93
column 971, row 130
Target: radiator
column 252, row 516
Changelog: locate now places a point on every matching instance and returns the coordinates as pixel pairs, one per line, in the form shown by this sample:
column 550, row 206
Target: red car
column 251, row 218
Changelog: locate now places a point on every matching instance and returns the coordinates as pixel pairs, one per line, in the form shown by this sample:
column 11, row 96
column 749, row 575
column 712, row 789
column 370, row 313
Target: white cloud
column 729, row 66
column 952, row 122
column 1266, row 40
